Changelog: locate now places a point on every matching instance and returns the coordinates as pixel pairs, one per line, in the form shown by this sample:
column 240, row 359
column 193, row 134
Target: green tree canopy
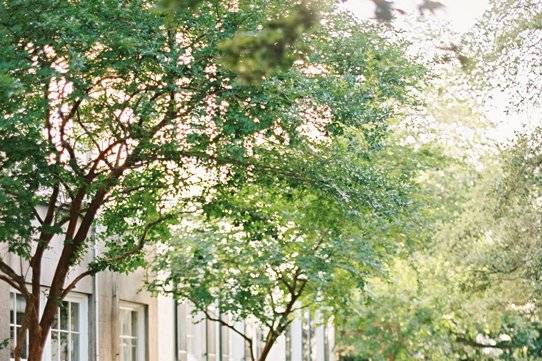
column 506, row 45
column 265, row 248
column 269, row 250
column 114, row 112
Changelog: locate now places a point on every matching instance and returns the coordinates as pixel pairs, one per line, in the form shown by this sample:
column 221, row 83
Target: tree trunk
column 35, row 351
column 267, row 347
column 36, row 341
column 37, row 336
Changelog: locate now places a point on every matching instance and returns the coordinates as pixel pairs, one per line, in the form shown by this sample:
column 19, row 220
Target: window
column 17, row 305
column 210, row 327
column 132, row 332
column 66, row 332
column 185, row 331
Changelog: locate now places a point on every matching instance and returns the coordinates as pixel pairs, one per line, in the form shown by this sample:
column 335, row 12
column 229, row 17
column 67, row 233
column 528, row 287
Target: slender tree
column 266, row 253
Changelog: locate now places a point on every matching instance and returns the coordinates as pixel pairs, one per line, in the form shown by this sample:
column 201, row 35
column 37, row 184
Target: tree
column 267, row 252
column 426, row 310
column 506, row 226
column 472, row 292
column 424, row 305
column 505, row 44
column 265, row 249
column 111, row 112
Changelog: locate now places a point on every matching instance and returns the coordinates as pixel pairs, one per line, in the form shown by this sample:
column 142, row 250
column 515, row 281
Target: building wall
column 4, row 318
column 105, row 293
column 104, row 330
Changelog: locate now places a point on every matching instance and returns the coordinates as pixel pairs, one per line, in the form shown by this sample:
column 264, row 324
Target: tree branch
column 231, row 327
column 10, row 282
column 45, row 234
column 16, row 278
column 75, row 281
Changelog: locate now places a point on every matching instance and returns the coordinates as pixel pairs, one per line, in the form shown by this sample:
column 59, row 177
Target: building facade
column 109, row 317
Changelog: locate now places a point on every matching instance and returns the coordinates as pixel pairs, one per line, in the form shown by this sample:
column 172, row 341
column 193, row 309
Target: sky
column 461, row 14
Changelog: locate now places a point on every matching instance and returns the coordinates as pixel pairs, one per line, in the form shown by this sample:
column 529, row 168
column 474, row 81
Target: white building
column 109, row 317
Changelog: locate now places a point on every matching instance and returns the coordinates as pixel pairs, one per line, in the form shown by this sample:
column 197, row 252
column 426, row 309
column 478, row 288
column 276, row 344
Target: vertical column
column 93, row 322
column 105, row 310
column 237, row 344
column 4, row 320
column 115, row 321
column 319, row 335
column 200, row 338
column 297, row 340
column 278, row 352
column 166, row 328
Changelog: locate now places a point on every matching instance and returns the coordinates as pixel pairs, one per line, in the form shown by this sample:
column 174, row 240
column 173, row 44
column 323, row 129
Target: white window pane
column 127, row 352
column 13, row 335
column 74, row 347
column 54, row 346
column 131, row 319
column 64, row 346
column 129, row 349
column 20, row 305
column 126, row 322
column 64, row 315
column 134, row 323
column 17, row 307
column 74, row 316
column 124, row 353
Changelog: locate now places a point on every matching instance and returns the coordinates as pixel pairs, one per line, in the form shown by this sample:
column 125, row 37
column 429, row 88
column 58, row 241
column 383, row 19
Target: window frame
column 13, row 303
column 82, row 300
column 141, row 337
column 185, row 331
